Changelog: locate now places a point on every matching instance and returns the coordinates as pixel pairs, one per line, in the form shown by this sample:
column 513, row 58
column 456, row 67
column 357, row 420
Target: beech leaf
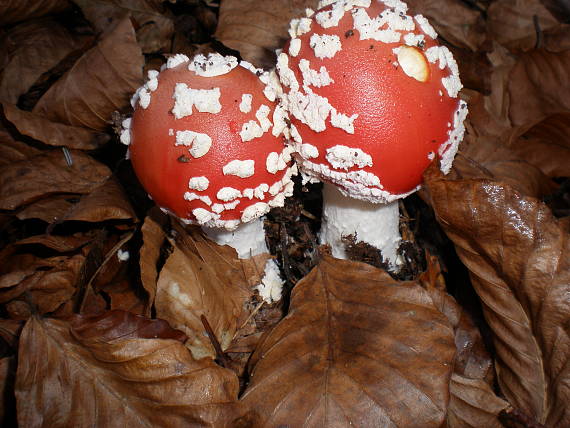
column 12, row 11
column 517, row 255
column 100, row 82
column 106, row 374
column 362, row 349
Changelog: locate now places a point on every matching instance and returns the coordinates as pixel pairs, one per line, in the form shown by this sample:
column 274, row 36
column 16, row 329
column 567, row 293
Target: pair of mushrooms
column 363, row 98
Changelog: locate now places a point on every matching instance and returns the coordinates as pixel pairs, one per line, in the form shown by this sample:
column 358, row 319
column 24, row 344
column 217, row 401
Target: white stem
column 249, row 241
column 375, row 224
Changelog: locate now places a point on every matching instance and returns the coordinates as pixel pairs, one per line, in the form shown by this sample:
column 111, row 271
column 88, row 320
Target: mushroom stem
column 249, row 240
column 374, row 224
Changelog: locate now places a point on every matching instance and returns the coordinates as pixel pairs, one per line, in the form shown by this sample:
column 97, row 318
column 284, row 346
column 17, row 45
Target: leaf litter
column 134, row 319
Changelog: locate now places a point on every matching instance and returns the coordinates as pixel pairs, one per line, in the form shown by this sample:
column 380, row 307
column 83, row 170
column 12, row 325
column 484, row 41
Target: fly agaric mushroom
column 206, row 143
column 373, row 100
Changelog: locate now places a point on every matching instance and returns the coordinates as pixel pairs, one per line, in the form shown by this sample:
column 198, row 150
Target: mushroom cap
column 207, row 143
column 372, row 97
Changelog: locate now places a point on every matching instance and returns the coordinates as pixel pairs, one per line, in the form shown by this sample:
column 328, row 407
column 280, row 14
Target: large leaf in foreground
column 517, row 255
column 357, row 349
column 109, row 373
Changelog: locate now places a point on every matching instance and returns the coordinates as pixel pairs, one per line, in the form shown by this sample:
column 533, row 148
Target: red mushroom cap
column 206, row 141
column 372, row 97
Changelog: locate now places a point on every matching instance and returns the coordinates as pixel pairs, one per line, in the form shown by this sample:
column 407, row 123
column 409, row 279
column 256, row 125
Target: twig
column 220, row 356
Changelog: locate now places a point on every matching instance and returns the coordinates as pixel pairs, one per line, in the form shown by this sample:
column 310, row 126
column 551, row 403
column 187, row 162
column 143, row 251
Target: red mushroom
column 373, row 99
column 206, row 143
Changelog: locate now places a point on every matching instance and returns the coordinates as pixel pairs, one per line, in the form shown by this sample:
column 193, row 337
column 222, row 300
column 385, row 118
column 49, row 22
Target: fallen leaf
column 154, row 28
column 53, row 133
column 559, row 8
column 33, row 48
column 94, row 376
column 256, row 29
column 51, row 209
column 48, row 173
column 473, row 404
column 202, row 278
column 10, row 332
column 59, row 243
column 350, row 343
column 100, row 82
column 12, row 11
column 13, row 151
column 516, row 252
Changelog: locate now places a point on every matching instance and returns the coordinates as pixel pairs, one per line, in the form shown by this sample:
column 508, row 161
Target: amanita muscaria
column 206, row 141
column 373, row 99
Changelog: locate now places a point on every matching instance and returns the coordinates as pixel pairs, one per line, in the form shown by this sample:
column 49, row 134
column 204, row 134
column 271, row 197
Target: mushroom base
column 374, row 224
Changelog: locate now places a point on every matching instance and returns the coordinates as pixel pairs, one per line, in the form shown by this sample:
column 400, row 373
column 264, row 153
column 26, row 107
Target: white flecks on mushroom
column 425, row 26
column 253, row 211
column 242, row 169
column 311, row 109
column 227, row 194
column 431, row 156
column 326, row 45
column 412, row 62
column 286, row 75
column 176, row 60
column 313, row 77
column 202, row 215
column 343, row 157
column 212, row 65
column 369, row 28
column 261, row 115
column 218, row 208
column 273, row 89
column 249, row 66
column 277, row 201
column 152, row 83
column 279, row 122
column 231, row 205
column 396, row 4
column 125, row 136
column 295, row 134
column 260, row 191
column 144, row 97
column 198, row 183
column 448, row 149
column 342, row 121
column 330, row 18
column 294, row 47
column 271, row 162
column 309, row 12
column 250, row 130
column 412, row 39
column 171, row 132
column 191, row 196
column 248, row 193
column 298, row 27
column 245, row 104
column 275, row 188
column 308, row 151
column 199, row 143
column 185, row 98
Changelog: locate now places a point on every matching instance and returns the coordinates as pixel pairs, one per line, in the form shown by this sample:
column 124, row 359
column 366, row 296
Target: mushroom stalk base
column 249, row 240
column 374, row 224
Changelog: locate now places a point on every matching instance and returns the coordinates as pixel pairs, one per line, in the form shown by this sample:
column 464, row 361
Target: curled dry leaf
column 361, row 349
column 100, row 82
column 517, row 255
column 51, row 209
column 53, row 133
column 154, row 29
column 202, row 278
column 12, row 11
column 256, row 29
column 32, row 48
column 49, row 173
column 61, row 244
column 473, row 404
column 14, row 151
column 96, row 377
column 517, row 24
column 539, row 85
column 454, row 20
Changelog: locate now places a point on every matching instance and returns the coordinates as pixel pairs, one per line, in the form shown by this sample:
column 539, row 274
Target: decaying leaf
column 108, row 372
column 50, row 209
column 256, row 29
column 12, row 11
column 100, row 82
column 517, row 255
column 49, row 173
column 202, row 278
column 361, row 349
column 154, row 29
column 32, row 48
column 14, row 151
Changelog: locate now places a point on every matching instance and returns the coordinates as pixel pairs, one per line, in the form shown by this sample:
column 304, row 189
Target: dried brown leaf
column 202, row 278
column 50, row 209
column 100, row 82
column 454, row 20
column 53, row 133
column 48, row 173
column 32, row 48
column 256, row 29
column 12, row 11
column 13, row 151
column 95, row 377
column 154, row 28
column 61, row 244
column 517, row 255
column 513, row 23
column 351, row 345
column 473, row 404
column 539, row 85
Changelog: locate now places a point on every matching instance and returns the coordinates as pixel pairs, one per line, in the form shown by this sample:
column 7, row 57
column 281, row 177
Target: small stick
column 220, row 356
